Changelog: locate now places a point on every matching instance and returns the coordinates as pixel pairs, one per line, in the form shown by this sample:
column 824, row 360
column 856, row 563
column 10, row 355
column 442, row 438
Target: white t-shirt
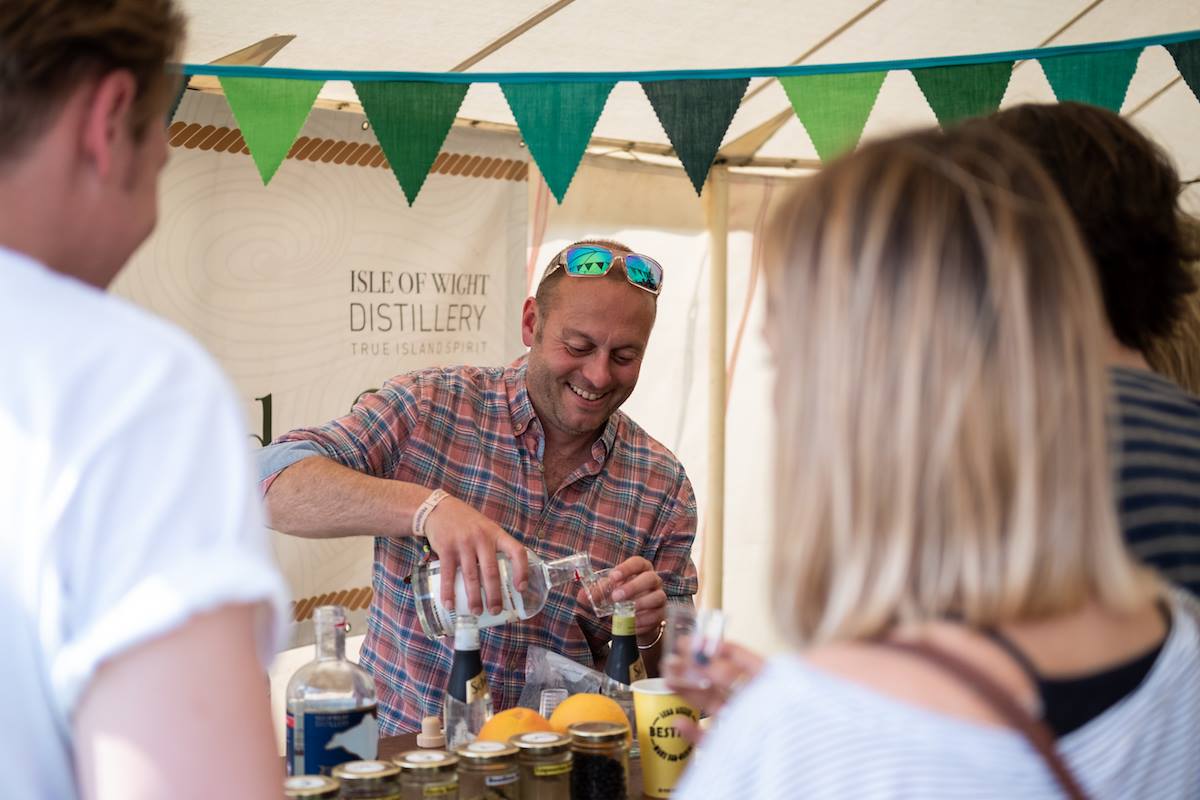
column 797, row 731
column 127, row 505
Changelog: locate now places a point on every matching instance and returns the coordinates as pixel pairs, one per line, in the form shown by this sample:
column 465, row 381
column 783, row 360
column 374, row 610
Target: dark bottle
column 624, row 660
column 468, row 702
column 467, row 680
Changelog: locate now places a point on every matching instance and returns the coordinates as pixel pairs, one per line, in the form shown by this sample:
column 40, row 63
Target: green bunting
column 1187, row 61
column 411, row 121
column 557, row 120
column 1097, row 78
column 270, row 112
column 695, row 115
column 833, row 108
column 970, row 90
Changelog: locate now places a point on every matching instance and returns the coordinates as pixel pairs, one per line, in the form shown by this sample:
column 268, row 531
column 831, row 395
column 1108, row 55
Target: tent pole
column 717, row 213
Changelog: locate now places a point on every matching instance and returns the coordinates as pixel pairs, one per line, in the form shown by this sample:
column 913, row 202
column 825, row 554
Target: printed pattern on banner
column 325, row 284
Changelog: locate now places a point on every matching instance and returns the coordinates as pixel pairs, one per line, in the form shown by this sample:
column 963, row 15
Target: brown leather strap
column 1033, row 729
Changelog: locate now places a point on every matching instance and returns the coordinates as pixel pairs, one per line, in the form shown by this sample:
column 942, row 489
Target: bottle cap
column 431, row 734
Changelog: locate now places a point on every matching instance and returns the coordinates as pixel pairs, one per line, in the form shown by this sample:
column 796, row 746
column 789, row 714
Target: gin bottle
column 468, row 702
column 438, row 622
column 331, row 712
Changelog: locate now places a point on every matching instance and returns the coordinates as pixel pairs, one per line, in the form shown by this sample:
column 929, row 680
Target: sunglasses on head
column 594, row 261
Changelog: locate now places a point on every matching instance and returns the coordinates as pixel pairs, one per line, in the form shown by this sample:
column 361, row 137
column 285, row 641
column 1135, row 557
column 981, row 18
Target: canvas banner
column 324, row 284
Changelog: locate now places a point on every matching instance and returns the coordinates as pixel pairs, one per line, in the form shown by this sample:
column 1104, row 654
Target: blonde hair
column 941, row 401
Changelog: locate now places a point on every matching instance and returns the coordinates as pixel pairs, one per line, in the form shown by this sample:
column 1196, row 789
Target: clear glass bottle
column 438, row 622
column 601, row 761
column 428, row 773
column 331, row 711
column 468, row 702
column 488, row 771
column 544, row 759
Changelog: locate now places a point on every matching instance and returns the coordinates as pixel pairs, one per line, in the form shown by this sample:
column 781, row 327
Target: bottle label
column 637, row 670
column 477, row 688
column 333, row 738
column 624, row 626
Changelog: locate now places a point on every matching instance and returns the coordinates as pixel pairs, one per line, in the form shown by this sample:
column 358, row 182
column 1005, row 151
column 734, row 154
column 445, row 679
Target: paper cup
column 664, row 751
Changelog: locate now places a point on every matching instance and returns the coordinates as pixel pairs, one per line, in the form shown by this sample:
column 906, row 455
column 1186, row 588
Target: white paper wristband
column 425, row 509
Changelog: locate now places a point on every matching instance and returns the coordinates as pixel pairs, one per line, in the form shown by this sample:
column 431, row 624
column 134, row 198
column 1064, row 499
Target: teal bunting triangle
column 1101, row 79
column 556, row 121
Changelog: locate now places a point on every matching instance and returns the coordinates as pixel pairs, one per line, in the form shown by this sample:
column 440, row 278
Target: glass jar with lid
column 311, row 787
column 601, row 756
column 428, row 773
column 488, row 771
column 545, row 765
column 368, row 780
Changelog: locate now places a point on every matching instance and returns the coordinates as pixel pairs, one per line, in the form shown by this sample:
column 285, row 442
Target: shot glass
column 691, row 640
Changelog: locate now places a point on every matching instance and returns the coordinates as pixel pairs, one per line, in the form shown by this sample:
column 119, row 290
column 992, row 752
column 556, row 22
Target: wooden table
column 392, row 746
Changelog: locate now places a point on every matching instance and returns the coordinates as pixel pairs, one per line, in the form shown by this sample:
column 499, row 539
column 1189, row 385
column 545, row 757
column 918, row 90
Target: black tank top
column 1071, row 703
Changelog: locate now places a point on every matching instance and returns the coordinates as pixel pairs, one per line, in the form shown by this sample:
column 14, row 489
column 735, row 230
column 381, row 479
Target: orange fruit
column 501, row 727
column 585, row 707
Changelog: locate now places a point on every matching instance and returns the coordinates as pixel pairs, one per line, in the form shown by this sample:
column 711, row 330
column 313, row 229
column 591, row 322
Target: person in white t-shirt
column 138, row 592
column 947, row 560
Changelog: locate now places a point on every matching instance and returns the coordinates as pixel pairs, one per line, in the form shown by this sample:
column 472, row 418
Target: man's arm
column 319, row 498
column 184, row 715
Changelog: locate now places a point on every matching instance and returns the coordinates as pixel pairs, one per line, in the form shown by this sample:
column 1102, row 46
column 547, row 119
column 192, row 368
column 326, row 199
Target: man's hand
column 466, row 540
column 635, row 579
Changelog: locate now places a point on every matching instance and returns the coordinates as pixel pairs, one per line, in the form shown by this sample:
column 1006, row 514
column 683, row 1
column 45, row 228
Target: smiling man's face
column 586, row 350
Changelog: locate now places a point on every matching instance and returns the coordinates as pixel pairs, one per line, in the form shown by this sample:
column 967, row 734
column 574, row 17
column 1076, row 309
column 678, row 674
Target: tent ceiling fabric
column 667, row 34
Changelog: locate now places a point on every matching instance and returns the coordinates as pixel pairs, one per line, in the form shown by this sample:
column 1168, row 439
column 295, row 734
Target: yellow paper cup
column 664, row 751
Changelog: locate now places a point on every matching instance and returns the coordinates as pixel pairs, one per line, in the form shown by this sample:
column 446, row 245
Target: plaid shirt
column 473, row 432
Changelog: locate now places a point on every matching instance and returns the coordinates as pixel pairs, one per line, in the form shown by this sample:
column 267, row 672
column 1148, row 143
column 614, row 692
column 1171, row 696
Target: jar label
column 439, row 789
column 318, row 742
column 501, row 780
column 365, row 767
column 540, row 738
column 546, row 770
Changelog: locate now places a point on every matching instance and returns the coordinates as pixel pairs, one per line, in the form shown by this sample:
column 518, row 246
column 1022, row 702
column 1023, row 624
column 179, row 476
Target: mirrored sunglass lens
column 644, row 272
column 588, row 261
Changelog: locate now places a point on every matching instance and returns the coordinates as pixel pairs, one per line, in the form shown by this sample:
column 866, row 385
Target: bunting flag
column 1101, row 79
column 1187, row 61
column 833, row 108
column 557, row 120
column 969, row 90
column 695, row 115
column 183, row 84
column 270, row 113
column 411, row 121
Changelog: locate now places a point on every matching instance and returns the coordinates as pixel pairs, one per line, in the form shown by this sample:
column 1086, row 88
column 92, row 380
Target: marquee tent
column 707, row 350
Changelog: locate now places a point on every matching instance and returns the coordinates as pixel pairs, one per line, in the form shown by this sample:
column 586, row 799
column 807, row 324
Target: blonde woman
column 947, row 556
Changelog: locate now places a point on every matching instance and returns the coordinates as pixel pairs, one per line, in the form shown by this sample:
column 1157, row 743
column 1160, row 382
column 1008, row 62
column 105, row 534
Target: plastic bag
column 548, row 670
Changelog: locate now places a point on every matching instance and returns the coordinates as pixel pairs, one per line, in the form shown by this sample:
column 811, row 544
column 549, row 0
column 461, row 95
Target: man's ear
column 107, row 118
column 529, row 321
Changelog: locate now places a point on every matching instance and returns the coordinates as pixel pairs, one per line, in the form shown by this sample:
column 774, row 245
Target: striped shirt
column 800, row 732
column 473, row 432
column 1159, row 468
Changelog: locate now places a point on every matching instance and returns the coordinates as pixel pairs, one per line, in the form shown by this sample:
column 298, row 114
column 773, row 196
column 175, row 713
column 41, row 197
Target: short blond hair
column 941, row 396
